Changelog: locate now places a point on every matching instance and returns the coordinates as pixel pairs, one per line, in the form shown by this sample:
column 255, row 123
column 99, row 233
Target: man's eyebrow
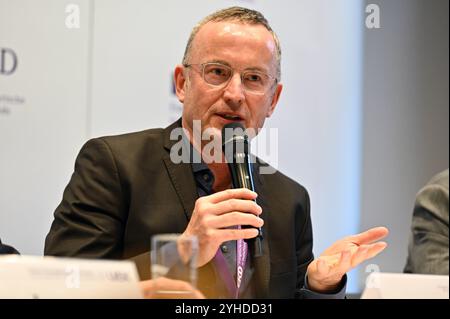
column 252, row 68
column 220, row 61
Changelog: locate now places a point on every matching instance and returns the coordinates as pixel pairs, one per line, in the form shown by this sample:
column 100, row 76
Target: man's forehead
column 224, row 29
column 216, row 35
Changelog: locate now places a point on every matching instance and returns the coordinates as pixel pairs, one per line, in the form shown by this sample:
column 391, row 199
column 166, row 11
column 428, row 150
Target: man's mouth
column 230, row 117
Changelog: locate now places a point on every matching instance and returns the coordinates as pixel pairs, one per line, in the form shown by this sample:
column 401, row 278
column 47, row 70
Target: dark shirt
column 204, row 180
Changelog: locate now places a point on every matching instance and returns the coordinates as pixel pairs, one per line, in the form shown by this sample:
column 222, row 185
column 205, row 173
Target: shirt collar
column 196, row 166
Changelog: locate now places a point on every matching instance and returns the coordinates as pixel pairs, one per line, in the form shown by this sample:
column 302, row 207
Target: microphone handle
column 241, row 177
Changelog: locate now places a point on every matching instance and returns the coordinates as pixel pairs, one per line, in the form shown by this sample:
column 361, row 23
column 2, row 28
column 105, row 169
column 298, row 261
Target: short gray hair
column 238, row 14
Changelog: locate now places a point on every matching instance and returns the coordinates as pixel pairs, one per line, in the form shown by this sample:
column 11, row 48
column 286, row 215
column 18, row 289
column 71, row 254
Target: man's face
column 242, row 47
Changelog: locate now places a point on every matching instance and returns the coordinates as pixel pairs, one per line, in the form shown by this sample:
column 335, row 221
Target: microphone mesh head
column 231, row 131
column 234, row 142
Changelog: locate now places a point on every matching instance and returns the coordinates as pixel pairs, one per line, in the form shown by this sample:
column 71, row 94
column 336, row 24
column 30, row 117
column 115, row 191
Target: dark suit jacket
column 6, row 250
column 125, row 189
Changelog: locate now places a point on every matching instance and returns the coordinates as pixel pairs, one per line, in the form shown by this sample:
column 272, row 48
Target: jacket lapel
column 180, row 174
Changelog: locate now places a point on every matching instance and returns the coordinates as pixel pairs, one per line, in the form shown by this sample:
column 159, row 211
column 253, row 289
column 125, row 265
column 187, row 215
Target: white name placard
column 54, row 277
column 405, row 286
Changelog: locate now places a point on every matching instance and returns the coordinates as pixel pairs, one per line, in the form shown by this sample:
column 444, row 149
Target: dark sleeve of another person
column 7, row 250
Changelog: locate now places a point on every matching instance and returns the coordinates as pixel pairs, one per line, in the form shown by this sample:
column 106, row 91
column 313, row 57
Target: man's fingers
column 147, row 286
column 239, row 193
column 345, row 262
column 235, row 234
column 335, row 264
column 366, row 252
column 376, row 248
column 233, row 219
column 240, row 205
column 360, row 255
column 369, row 236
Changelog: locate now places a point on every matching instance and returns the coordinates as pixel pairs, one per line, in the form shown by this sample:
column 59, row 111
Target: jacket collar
column 180, row 173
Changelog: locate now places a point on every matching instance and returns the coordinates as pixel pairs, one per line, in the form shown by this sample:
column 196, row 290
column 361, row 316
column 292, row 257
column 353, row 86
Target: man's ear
column 180, row 82
column 275, row 98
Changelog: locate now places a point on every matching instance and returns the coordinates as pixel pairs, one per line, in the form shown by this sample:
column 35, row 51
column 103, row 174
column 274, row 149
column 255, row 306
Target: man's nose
column 234, row 91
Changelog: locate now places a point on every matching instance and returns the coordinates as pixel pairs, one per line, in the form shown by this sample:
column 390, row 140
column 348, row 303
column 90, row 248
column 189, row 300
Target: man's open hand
column 326, row 272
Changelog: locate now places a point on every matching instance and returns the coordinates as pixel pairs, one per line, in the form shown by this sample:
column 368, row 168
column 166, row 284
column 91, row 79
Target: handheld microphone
column 236, row 148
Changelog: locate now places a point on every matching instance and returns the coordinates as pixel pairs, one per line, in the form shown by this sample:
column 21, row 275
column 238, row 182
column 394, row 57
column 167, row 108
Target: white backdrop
column 40, row 136
column 113, row 75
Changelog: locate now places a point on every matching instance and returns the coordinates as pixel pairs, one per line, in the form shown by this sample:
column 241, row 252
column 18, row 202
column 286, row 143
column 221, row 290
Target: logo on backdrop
column 8, row 66
column 8, row 61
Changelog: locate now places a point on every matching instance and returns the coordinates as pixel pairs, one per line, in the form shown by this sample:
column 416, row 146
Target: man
column 428, row 243
column 126, row 188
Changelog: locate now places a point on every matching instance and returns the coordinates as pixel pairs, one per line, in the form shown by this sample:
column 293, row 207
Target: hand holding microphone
column 213, row 215
column 236, row 148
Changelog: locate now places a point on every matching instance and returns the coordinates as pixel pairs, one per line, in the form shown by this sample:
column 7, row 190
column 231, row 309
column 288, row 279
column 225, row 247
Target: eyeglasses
column 219, row 75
